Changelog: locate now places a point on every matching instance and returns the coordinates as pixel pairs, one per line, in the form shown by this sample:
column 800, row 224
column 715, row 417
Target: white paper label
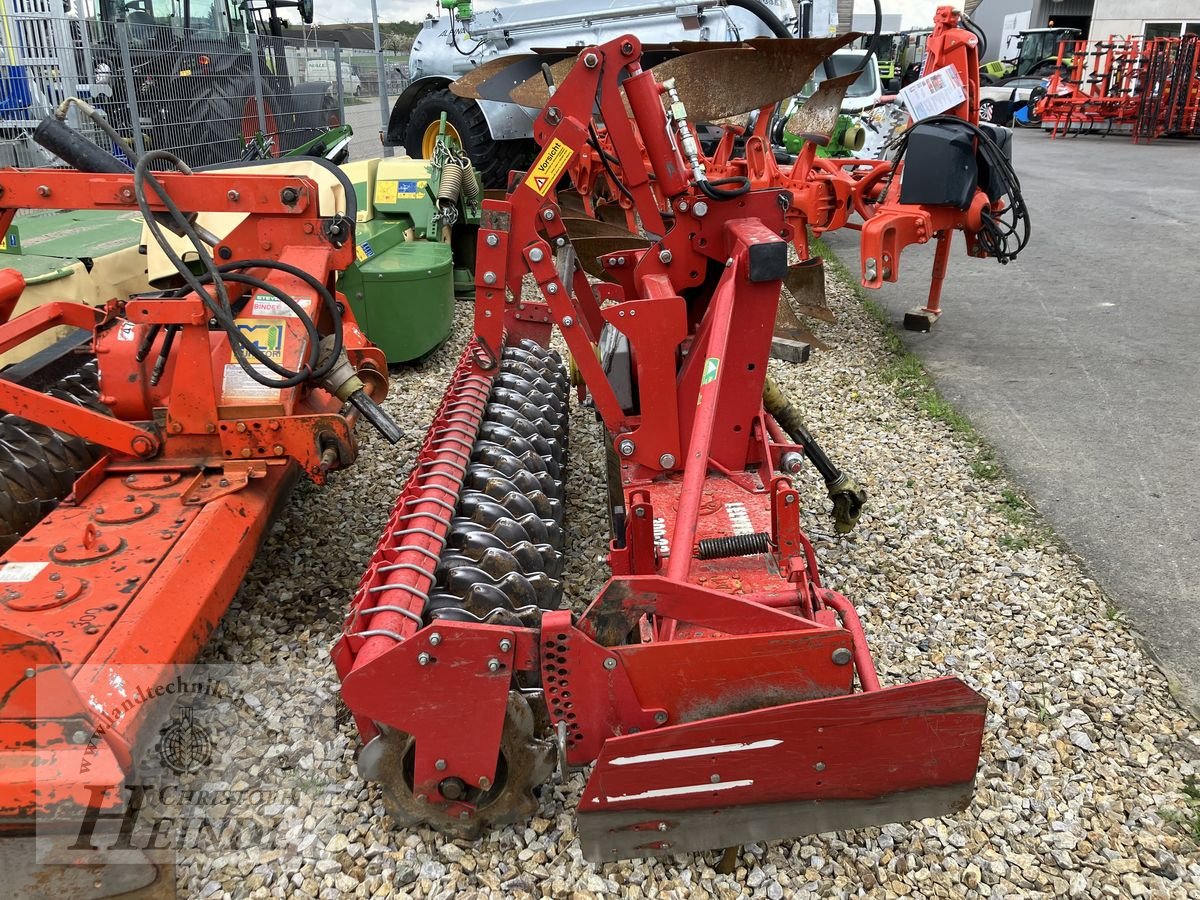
column 126, row 332
column 21, row 571
column 934, row 94
column 269, row 305
column 238, row 385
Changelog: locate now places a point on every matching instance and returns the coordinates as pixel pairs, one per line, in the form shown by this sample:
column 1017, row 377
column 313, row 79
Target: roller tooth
column 528, row 458
column 65, row 461
column 23, row 507
column 471, row 538
column 28, row 454
column 543, row 353
column 484, row 509
column 506, row 464
column 453, row 612
column 496, row 486
column 525, row 405
column 493, row 561
column 518, row 444
column 543, row 428
column 558, row 381
column 539, row 392
column 519, row 590
column 479, row 601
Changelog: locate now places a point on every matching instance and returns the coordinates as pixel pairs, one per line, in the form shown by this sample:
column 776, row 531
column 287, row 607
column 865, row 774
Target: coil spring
column 734, row 545
column 451, row 182
column 472, row 192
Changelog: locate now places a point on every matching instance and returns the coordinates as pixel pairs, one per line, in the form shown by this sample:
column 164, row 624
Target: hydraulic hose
column 765, row 14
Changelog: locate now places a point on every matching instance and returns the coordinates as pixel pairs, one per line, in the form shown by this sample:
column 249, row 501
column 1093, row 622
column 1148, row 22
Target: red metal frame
column 678, row 658
column 1149, row 88
column 172, row 517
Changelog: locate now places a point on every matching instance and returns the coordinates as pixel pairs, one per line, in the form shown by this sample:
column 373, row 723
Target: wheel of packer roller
column 525, row 761
column 38, row 466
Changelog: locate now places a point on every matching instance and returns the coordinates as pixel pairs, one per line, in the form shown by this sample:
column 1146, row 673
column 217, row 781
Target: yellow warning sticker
column 549, row 166
column 385, row 191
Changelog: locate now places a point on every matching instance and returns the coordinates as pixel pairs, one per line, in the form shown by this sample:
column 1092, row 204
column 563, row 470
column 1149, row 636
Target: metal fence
column 205, row 92
column 366, row 69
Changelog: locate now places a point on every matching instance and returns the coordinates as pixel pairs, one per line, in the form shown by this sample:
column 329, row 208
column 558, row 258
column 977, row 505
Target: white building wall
column 1111, row 17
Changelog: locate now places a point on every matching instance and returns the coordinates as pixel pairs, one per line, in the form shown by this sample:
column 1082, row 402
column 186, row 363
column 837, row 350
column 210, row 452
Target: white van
column 323, row 70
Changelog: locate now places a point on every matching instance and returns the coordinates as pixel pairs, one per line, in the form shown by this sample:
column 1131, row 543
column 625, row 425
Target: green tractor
column 1037, row 55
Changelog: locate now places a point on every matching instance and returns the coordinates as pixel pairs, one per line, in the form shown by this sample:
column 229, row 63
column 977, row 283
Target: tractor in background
column 1037, row 55
column 193, row 70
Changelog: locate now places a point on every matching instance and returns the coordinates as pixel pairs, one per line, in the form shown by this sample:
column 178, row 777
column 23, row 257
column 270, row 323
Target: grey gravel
column 1080, row 787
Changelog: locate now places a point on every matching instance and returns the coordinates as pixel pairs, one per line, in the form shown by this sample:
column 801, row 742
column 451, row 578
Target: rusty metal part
column 527, row 761
column 788, row 326
column 591, row 250
column 502, row 83
column 805, row 281
column 817, row 118
column 468, row 85
column 718, row 84
column 584, row 227
column 534, row 92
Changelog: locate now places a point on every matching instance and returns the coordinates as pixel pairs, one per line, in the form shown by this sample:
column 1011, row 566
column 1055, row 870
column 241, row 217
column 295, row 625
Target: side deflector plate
column 897, row 754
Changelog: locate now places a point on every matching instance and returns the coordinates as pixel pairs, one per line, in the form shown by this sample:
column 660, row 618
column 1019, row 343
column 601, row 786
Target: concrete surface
column 1080, row 362
column 364, row 119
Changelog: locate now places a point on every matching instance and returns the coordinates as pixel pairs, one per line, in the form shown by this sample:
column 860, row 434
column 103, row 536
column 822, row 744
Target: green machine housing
column 410, row 265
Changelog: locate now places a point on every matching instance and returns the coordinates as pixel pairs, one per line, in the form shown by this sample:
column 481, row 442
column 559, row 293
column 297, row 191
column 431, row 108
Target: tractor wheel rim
column 429, row 138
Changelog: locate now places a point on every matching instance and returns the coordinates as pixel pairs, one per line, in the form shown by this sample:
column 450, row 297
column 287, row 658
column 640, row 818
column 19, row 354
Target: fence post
column 385, row 110
column 341, row 87
column 256, row 74
column 135, row 121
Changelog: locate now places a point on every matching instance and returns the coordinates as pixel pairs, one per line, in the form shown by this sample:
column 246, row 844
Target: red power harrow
column 121, row 584
column 712, row 680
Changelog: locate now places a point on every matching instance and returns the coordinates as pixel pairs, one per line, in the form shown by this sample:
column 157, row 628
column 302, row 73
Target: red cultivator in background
column 200, row 432
column 1148, row 88
column 712, row 680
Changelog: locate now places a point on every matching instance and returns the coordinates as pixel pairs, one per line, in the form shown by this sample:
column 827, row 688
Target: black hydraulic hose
column 978, row 32
column 873, row 44
column 714, row 190
column 767, row 16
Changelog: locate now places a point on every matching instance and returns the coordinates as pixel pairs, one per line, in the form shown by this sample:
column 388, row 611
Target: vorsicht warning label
column 549, row 167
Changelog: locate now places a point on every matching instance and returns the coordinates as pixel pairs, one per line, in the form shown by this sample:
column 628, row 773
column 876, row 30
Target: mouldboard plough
column 723, row 693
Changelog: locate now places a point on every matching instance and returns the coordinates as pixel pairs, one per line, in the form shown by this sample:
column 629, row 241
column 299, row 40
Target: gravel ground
column 1080, row 787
